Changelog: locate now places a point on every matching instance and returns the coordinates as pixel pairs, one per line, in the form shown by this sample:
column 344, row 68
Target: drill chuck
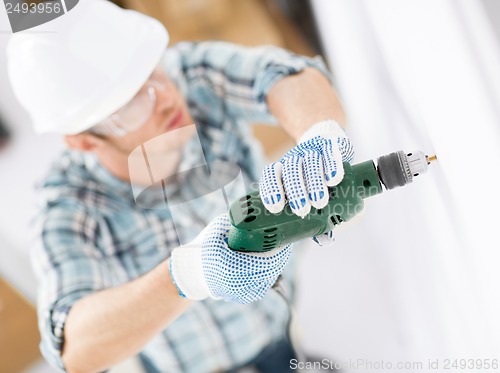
column 398, row 169
column 255, row 229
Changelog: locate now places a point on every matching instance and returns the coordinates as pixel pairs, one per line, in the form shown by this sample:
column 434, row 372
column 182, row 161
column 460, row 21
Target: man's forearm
column 107, row 327
column 301, row 100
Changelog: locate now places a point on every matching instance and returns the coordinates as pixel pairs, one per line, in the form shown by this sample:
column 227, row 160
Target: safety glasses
column 134, row 114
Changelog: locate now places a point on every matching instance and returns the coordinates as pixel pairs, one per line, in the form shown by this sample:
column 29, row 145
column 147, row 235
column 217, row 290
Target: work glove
column 207, row 267
column 302, row 176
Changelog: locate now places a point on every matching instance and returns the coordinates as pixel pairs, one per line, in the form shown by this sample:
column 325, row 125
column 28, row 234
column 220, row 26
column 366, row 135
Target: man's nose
column 164, row 98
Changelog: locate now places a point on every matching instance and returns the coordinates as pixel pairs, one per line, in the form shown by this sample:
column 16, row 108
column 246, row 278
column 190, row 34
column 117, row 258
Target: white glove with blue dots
column 207, row 267
column 302, row 176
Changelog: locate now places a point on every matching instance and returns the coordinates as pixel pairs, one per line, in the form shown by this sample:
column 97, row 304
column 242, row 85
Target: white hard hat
column 78, row 69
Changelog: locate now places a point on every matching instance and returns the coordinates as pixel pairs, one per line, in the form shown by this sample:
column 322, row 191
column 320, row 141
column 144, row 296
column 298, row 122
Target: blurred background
column 415, row 276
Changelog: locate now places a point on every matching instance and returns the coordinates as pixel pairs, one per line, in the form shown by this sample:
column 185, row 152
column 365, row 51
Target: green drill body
column 255, row 229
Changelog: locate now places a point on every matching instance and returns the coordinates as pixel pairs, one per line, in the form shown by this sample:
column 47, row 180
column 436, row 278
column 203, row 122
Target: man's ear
column 85, row 142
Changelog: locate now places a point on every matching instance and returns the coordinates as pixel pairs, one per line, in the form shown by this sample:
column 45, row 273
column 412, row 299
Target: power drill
column 255, row 229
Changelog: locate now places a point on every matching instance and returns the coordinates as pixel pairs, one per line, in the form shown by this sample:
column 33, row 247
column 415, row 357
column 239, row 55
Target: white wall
column 416, row 277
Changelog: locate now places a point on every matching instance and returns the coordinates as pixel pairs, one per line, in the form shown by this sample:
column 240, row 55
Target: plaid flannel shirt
column 92, row 235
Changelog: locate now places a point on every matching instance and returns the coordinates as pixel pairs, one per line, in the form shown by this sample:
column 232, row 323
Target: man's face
column 170, row 112
column 165, row 118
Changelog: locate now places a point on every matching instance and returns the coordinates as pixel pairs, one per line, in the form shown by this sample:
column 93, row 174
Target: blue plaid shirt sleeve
column 241, row 76
column 68, row 267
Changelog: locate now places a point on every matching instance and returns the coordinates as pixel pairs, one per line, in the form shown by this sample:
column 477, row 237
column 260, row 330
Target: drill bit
column 431, row 158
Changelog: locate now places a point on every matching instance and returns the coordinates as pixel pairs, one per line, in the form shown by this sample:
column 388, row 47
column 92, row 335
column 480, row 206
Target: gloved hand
column 207, row 267
column 302, row 176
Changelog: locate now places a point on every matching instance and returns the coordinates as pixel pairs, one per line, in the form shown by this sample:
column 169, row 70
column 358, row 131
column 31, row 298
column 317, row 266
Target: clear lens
column 108, row 127
column 133, row 115
column 130, row 117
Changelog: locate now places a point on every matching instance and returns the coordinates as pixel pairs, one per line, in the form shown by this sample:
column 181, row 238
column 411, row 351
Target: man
column 115, row 279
